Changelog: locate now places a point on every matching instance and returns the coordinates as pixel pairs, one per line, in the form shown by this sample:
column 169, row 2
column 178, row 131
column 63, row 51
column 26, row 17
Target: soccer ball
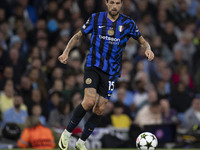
column 146, row 141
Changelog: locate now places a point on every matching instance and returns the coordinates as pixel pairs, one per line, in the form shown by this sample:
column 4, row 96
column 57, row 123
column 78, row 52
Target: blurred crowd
column 33, row 33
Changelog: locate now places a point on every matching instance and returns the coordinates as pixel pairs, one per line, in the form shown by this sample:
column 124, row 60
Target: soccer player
column 110, row 33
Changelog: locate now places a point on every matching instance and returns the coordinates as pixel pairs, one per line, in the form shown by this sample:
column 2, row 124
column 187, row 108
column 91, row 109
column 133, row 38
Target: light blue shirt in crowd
column 11, row 115
column 43, row 120
column 128, row 99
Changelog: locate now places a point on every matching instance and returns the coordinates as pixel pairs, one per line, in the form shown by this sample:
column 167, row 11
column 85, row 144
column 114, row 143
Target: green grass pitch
column 115, row 149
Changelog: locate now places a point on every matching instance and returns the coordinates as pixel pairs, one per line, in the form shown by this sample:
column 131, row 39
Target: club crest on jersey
column 111, row 32
column 88, row 81
column 120, row 28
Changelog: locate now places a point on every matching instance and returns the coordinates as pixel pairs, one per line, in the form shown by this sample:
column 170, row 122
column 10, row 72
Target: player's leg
column 87, row 103
column 94, row 119
column 104, row 89
column 90, row 94
column 79, row 112
column 92, row 122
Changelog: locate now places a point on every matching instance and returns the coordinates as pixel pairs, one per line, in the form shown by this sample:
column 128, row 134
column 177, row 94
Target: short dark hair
column 121, row 0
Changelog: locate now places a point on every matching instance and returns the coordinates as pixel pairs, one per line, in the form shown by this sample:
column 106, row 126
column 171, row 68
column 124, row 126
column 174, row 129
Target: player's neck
column 112, row 18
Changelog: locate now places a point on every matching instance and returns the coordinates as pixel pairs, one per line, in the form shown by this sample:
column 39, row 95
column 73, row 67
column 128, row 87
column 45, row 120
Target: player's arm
column 64, row 57
column 144, row 44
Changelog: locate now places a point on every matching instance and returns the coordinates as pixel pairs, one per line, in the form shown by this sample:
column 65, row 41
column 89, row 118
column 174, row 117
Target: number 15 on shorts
column 111, row 87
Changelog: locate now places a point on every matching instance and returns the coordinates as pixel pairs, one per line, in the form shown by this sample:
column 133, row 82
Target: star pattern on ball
column 139, row 145
column 148, row 145
column 143, row 136
column 146, row 141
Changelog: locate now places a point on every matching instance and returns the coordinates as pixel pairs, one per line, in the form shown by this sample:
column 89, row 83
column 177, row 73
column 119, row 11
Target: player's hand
column 63, row 58
column 149, row 54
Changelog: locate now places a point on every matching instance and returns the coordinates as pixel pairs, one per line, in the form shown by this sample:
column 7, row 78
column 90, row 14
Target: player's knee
column 88, row 101
column 98, row 110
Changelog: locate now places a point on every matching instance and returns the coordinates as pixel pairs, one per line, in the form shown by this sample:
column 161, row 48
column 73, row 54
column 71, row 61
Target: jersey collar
column 109, row 19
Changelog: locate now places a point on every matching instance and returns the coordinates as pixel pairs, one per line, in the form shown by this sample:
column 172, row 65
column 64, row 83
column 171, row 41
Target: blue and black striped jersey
column 108, row 39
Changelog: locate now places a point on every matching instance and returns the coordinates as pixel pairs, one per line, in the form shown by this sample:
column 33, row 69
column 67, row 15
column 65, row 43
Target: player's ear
column 122, row 3
column 106, row 2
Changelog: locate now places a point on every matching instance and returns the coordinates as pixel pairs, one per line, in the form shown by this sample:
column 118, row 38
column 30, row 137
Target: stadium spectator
column 169, row 36
column 178, row 60
column 42, row 44
column 37, row 83
column 51, row 11
column 182, row 74
column 76, row 98
column 6, row 98
column 24, row 49
column 140, row 96
column 18, row 19
column 36, row 63
column 179, row 96
column 29, row 10
column 38, row 32
column 147, row 25
column 53, row 52
column 53, row 101
column 149, row 114
column 197, row 81
column 7, row 75
column 161, row 49
column 57, row 86
column 169, row 115
column 60, row 116
column 119, row 119
column 186, row 46
column 36, row 136
column 87, row 7
column 2, row 15
column 181, row 15
column 124, row 97
column 17, row 63
column 161, row 20
column 34, row 54
column 79, row 79
column 2, row 40
column 37, row 112
column 126, row 71
column 16, row 114
column 192, row 115
column 36, row 99
column 70, row 84
column 196, row 60
column 75, row 61
column 3, row 56
column 25, row 89
column 166, row 75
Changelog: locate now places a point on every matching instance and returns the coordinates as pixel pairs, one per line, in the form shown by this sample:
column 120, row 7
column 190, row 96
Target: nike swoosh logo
column 62, row 145
column 101, row 27
column 90, row 130
column 73, row 122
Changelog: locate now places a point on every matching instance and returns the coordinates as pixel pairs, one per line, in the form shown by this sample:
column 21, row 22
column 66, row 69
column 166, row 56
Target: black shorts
column 101, row 81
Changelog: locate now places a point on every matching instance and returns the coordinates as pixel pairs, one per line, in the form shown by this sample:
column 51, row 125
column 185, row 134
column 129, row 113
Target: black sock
column 78, row 114
column 92, row 122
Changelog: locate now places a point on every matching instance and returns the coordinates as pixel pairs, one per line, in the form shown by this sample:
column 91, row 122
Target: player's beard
column 113, row 15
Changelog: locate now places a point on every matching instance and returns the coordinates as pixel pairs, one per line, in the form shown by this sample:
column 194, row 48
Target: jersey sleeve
column 134, row 32
column 23, row 142
column 88, row 26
